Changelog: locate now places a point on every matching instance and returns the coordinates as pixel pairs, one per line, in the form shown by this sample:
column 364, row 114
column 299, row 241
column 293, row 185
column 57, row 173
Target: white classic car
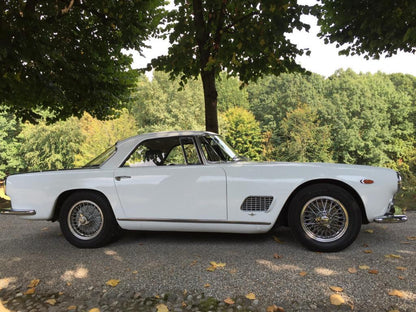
column 194, row 181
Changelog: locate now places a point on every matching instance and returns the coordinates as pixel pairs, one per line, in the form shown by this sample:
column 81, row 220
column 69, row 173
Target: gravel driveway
column 151, row 271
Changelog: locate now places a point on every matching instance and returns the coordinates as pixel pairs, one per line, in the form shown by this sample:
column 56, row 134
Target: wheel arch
column 63, row 196
column 283, row 215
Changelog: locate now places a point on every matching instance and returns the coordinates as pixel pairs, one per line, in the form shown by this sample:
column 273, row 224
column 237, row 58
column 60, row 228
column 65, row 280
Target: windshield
column 102, row 158
column 216, row 149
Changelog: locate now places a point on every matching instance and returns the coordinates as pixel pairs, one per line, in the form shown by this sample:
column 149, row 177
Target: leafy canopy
column 369, row 28
column 243, row 38
column 66, row 56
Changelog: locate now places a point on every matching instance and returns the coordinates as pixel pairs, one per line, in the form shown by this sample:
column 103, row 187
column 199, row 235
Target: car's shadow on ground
column 282, row 235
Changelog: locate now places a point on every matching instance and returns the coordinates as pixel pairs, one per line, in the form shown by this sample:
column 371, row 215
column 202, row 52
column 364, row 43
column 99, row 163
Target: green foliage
column 158, row 106
column 99, row 135
column 243, row 38
column 9, row 146
column 241, row 130
column 66, row 57
column 306, row 140
column 371, row 28
column 50, row 147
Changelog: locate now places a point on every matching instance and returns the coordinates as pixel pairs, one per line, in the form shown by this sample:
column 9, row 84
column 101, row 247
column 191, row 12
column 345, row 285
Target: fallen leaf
column 393, row 256
column 30, row 291
column 184, row 305
column 303, row 273
column 51, row 301
column 251, row 296
column 193, row 263
column 162, row 308
column 373, row 271
column 336, row 300
column 336, row 288
column 113, row 282
column 207, row 285
column 401, row 277
column 277, row 240
column 274, row 308
column 229, row 301
column 277, row 256
column 368, row 251
column 3, row 308
column 68, row 284
column 396, row 293
column 352, row 270
column 185, row 292
column 363, row 267
column 412, row 238
column 400, row 268
column 94, row 310
column 33, row 283
column 72, row 307
column 135, row 272
column 215, row 265
column 395, row 310
column 369, row 231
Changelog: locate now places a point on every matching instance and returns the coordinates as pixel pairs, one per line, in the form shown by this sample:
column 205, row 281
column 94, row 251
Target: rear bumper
column 391, row 218
column 9, row 211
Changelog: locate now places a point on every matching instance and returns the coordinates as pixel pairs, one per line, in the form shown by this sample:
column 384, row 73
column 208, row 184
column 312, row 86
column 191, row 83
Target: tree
column 243, row 132
column 370, row 28
column 99, row 135
column 305, row 138
column 243, row 38
column 10, row 162
column 66, row 56
column 50, row 147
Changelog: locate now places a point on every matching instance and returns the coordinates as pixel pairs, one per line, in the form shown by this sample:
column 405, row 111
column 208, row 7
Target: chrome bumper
column 11, row 212
column 391, row 218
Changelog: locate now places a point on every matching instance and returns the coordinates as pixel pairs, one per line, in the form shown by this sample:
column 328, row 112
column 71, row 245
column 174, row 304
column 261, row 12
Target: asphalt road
column 152, row 264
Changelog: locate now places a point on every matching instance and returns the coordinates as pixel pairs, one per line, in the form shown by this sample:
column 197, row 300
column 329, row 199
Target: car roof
column 164, row 134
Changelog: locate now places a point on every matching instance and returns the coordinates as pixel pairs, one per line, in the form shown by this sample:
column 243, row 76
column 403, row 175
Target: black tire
column 325, row 217
column 87, row 220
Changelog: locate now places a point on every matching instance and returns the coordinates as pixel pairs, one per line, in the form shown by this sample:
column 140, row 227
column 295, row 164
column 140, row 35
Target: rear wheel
column 325, row 217
column 87, row 220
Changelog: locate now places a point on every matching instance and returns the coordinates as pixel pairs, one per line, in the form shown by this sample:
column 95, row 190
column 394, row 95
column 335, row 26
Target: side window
column 175, row 156
column 190, row 151
column 209, row 151
column 164, row 152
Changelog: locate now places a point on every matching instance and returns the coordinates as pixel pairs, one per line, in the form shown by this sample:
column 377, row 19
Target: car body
column 193, row 181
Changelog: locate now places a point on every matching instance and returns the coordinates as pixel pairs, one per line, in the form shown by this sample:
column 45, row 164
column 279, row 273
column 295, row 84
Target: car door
column 164, row 179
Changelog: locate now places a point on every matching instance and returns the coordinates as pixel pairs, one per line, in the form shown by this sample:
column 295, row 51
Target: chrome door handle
column 122, row 177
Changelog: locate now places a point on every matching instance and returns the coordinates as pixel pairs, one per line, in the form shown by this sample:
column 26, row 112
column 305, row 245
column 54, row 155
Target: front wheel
column 87, row 220
column 325, row 217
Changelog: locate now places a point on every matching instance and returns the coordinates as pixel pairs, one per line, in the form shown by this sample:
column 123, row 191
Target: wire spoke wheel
column 85, row 220
column 324, row 219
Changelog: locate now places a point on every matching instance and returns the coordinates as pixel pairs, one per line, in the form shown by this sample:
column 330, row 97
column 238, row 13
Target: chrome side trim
column 195, row 221
column 390, row 218
column 11, row 212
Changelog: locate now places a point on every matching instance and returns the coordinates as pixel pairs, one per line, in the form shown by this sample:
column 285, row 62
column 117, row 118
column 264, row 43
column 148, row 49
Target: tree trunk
column 208, row 76
column 211, row 99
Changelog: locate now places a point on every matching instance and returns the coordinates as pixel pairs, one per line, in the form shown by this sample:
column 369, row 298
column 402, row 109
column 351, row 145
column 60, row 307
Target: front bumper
column 391, row 218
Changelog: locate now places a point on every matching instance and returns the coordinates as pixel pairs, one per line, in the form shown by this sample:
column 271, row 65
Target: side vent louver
column 257, row 203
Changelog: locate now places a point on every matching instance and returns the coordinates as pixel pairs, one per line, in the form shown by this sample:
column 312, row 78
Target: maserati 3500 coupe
column 194, row 181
